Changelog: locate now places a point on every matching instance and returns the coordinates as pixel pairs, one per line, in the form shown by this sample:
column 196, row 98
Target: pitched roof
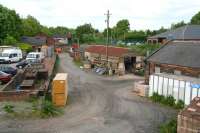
column 181, row 53
column 34, row 40
column 112, row 51
column 187, row 32
column 59, row 36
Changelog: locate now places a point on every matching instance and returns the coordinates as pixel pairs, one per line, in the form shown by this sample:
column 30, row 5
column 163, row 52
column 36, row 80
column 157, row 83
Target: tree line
column 13, row 27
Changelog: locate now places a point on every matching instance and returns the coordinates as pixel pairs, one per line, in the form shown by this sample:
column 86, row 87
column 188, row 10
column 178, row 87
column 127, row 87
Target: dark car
column 8, row 69
column 4, row 77
column 22, row 64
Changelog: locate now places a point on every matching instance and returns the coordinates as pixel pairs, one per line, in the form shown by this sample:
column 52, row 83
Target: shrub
column 49, row 110
column 170, row 101
column 170, row 127
column 8, row 108
column 25, row 47
column 156, row 97
column 180, row 104
column 140, row 72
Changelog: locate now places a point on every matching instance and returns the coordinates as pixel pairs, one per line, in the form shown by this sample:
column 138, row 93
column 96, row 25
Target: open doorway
column 129, row 63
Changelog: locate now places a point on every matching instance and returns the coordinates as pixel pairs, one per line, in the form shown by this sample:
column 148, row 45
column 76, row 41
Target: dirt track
column 97, row 105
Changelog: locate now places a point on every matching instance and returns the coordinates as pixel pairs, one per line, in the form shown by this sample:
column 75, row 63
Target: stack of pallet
column 189, row 118
column 60, row 89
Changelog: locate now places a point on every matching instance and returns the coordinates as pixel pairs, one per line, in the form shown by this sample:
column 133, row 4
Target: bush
column 170, row 127
column 49, row 110
column 78, row 63
column 25, row 47
column 156, row 97
column 180, row 104
column 140, row 72
column 8, row 108
column 170, row 101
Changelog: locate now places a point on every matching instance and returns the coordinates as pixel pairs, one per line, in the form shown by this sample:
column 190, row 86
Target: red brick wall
column 14, row 96
column 186, row 71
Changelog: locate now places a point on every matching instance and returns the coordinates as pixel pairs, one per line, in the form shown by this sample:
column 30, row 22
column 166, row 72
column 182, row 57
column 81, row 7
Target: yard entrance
column 129, row 63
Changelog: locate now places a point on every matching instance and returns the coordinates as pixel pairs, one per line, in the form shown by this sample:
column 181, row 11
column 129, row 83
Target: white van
column 35, row 57
column 10, row 55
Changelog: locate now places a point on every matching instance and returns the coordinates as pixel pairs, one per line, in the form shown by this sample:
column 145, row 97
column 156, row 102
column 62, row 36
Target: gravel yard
column 96, row 104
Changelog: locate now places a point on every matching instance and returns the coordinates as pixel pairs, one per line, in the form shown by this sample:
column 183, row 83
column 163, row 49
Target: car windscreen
column 31, row 56
column 4, row 55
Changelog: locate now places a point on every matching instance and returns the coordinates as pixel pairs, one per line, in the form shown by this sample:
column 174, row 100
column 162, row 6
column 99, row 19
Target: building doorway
column 129, row 63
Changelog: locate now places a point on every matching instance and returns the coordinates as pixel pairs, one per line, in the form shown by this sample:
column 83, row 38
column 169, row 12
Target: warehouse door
column 129, row 63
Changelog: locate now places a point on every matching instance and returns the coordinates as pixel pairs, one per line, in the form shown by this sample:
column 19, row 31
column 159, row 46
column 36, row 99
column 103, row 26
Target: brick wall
column 186, row 71
column 16, row 80
column 188, row 125
column 14, row 95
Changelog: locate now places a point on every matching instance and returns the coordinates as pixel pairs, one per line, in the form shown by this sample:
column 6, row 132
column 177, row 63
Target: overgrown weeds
column 169, row 101
column 170, row 127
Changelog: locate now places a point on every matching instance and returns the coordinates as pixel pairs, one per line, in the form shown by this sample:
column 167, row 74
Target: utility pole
column 107, row 21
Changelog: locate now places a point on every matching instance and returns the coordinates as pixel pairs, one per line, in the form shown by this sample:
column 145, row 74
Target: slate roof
column 34, row 40
column 187, row 32
column 181, row 53
column 59, row 36
column 112, row 51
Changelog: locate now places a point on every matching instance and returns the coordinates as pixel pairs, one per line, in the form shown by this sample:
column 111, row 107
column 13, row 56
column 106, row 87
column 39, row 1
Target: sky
column 142, row 14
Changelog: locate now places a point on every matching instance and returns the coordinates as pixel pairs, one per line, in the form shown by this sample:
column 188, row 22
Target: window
column 176, row 72
column 157, row 69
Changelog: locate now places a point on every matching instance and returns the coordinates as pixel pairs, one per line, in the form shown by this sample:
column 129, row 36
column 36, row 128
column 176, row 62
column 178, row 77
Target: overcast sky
column 142, row 14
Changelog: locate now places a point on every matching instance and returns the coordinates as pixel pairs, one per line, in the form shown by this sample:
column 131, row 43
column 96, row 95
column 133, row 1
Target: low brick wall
column 9, row 92
column 140, row 88
column 14, row 95
column 16, row 80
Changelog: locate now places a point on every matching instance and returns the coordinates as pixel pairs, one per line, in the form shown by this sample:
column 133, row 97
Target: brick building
column 120, row 60
column 176, row 58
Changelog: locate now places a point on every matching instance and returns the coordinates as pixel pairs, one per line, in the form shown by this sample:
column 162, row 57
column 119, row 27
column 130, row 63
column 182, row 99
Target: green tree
column 177, row 25
column 31, row 26
column 10, row 23
column 196, row 19
column 136, row 36
column 161, row 30
column 84, row 30
column 9, row 40
column 59, row 30
column 45, row 29
column 122, row 27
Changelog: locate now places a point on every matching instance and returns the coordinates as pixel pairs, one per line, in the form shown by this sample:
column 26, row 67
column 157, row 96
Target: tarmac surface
column 97, row 104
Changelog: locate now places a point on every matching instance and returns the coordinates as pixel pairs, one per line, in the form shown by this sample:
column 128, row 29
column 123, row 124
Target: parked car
column 4, row 77
column 22, row 64
column 11, row 55
column 8, row 69
column 35, row 57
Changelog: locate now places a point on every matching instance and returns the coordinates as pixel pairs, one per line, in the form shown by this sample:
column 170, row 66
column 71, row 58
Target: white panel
column 170, row 87
column 151, row 85
column 181, row 90
column 165, row 85
column 175, row 89
column 187, row 93
column 194, row 92
column 160, row 85
column 199, row 92
column 155, row 84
